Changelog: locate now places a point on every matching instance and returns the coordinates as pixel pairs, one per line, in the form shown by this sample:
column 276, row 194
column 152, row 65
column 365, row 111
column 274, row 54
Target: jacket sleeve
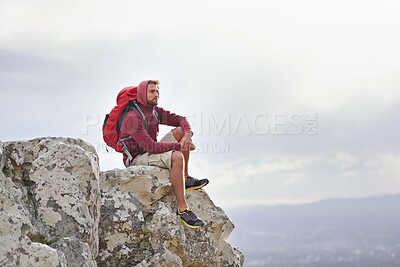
column 172, row 119
column 133, row 125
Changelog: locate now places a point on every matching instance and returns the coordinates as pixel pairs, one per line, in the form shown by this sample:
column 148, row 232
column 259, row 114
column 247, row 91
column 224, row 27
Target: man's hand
column 187, row 143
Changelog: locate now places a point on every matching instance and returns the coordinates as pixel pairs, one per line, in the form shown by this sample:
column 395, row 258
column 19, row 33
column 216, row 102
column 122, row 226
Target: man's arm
column 186, row 142
column 133, row 125
column 172, row 119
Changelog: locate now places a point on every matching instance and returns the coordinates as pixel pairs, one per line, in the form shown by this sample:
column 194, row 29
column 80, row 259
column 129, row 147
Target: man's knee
column 177, row 158
column 178, row 133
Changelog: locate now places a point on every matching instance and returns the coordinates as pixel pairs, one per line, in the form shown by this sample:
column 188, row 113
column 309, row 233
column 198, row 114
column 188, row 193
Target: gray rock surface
column 1, row 155
column 141, row 199
column 53, row 213
column 53, row 203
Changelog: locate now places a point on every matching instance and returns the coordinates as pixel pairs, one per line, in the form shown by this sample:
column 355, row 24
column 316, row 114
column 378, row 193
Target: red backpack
column 126, row 100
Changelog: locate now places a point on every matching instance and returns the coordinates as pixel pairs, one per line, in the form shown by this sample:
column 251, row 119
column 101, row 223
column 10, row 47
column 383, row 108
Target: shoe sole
column 195, row 187
column 191, row 226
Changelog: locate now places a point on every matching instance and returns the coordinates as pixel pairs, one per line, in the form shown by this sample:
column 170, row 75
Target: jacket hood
column 142, row 93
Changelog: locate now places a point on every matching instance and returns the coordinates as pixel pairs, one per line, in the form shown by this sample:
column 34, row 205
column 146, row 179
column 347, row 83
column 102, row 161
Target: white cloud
column 349, row 174
column 242, row 171
column 325, row 55
column 293, row 179
column 385, row 164
column 343, row 159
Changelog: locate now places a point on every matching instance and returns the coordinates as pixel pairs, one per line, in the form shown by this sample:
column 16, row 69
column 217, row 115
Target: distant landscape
column 330, row 233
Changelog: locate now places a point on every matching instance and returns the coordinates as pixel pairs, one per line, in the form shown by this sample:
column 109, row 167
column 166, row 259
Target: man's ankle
column 182, row 210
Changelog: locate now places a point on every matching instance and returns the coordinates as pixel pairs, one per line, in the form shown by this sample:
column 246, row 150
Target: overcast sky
column 290, row 101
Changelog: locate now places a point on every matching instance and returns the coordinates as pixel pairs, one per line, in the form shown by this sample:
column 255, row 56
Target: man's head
column 148, row 93
column 152, row 92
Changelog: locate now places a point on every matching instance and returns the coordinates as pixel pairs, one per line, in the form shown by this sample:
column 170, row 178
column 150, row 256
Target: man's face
column 152, row 94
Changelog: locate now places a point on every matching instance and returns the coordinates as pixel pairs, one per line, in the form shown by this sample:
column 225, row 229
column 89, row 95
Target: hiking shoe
column 190, row 219
column 192, row 183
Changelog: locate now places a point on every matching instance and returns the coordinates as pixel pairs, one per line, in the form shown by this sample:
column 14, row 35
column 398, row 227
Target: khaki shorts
column 162, row 160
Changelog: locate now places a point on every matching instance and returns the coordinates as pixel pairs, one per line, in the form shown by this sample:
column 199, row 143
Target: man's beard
column 152, row 103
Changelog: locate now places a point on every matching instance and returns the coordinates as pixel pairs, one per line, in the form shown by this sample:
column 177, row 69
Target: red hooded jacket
column 132, row 125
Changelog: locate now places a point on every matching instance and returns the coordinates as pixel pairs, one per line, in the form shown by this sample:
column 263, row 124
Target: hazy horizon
column 346, row 232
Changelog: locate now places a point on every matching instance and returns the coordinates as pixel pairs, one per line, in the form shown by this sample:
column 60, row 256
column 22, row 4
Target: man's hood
column 142, row 93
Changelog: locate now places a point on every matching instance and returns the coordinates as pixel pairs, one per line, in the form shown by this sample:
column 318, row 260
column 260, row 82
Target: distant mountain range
column 331, row 233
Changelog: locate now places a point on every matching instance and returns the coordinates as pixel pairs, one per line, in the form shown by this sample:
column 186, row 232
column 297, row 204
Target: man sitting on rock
column 171, row 152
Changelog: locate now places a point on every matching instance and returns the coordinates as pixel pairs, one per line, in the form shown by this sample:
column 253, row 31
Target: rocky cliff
column 58, row 209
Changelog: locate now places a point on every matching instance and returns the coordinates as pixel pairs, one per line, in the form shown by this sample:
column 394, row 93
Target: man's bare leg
column 178, row 180
column 192, row 183
column 178, row 134
column 178, row 183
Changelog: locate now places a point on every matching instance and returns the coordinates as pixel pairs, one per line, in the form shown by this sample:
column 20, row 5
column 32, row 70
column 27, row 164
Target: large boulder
column 53, row 203
column 139, row 225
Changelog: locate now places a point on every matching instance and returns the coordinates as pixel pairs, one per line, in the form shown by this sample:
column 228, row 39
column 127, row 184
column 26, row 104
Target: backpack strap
column 125, row 150
column 157, row 113
column 123, row 115
column 138, row 109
